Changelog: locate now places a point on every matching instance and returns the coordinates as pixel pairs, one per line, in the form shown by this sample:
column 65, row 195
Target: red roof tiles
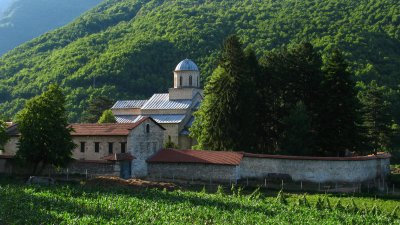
column 119, row 157
column 352, row 158
column 107, row 129
column 196, row 156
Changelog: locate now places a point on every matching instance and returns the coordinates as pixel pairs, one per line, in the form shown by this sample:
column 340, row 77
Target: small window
column 180, row 81
column 110, row 147
column 82, row 146
column 96, row 146
column 123, row 147
column 147, row 128
column 190, row 80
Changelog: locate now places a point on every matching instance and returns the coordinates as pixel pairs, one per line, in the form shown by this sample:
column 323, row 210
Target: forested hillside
column 22, row 20
column 128, row 48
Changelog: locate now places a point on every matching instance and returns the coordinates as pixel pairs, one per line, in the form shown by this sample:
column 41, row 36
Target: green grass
column 79, row 204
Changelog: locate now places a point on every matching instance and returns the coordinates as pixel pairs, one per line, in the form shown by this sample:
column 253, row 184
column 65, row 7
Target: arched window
column 180, row 81
column 190, row 80
column 147, row 128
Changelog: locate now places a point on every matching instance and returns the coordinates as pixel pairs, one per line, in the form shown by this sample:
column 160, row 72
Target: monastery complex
column 173, row 110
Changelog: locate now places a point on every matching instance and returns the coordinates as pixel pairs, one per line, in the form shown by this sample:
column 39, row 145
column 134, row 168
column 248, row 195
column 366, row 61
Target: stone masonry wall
column 142, row 145
column 189, row 171
column 316, row 170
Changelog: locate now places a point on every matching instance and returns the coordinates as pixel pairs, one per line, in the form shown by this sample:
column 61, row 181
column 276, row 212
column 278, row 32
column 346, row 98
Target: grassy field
column 93, row 204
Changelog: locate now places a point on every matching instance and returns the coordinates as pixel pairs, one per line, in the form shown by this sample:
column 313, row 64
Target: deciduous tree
column 107, row 117
column 45, row 135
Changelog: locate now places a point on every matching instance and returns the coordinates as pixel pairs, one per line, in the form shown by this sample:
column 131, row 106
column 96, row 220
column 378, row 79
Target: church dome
column 186, row 65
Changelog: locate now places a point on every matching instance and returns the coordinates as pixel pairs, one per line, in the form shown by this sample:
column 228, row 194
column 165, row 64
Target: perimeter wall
column 315, row 169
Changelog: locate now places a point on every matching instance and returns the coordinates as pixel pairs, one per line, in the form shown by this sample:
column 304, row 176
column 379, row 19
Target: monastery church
column 173, row 110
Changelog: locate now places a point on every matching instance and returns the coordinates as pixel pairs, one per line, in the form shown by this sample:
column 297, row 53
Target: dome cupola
column 186, row 75
column 186, row 65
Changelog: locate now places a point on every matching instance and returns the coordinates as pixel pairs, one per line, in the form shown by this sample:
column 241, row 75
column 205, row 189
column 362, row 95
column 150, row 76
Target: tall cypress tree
column 338, row 129
column 377, row 117
column 225, row 117
column 294, row 75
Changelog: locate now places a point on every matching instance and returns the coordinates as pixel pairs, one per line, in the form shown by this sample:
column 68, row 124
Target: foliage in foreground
column 83, row 205
column 45, row 135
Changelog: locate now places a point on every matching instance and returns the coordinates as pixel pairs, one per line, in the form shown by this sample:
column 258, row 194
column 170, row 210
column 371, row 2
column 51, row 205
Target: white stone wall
column 195, row 171
column 142, row 145
column 315, row 170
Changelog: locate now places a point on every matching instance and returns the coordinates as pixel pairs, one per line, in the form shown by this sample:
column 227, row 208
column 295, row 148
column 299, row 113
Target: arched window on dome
column 180, row 81
column 190, row 80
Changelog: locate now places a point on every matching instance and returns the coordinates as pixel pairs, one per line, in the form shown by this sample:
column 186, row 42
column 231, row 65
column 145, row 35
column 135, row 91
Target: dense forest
column 292, row 102
column 127, row 49
column 22, row 20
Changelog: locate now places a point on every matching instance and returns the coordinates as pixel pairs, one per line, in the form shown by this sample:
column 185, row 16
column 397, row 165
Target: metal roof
column 186, row 65
column 162, row 118
column 126, row 118
column 129, row 104
column 161, row 101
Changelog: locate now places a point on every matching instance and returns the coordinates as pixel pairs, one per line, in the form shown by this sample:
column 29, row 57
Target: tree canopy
column 125, row 49
column 224, row 119
column 107, row 117
column 45, row 135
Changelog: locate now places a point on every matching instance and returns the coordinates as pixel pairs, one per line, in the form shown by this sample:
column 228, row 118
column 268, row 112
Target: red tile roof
column 106, row 129
column 351, row 158
column 119, row 157
column 196, row 156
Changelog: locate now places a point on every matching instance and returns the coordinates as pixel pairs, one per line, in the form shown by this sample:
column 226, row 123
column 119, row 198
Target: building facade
column 109, row 149
column 173, row 110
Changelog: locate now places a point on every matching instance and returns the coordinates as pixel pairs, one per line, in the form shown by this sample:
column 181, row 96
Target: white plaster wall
column 315, row 170
column 90, row 153
column 185, row 79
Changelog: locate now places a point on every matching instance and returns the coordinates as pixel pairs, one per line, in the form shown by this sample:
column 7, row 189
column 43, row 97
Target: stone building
column 173, row 110
column 108, row 149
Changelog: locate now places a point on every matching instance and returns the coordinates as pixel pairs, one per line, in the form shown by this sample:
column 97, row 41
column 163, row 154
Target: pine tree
column 97, row 105
column 224, row 119
column 107, row 117
column 296, row 138
column 295, row 75
column 45, row 135
column 338, row 129
column 377, row 117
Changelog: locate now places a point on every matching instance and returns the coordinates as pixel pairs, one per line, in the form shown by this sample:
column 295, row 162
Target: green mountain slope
column 128, row 48
column 22, row 20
